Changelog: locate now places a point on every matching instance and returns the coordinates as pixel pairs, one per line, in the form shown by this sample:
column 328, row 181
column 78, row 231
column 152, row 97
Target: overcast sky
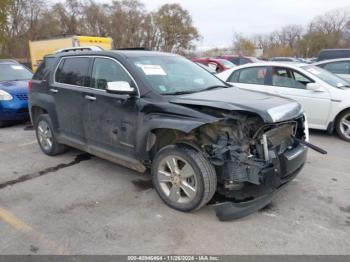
column 216, row 20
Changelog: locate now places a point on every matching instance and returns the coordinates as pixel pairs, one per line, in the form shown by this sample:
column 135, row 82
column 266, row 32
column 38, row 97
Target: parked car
column 209, row 69
column 239, row 60
column 219, row 65
column 324, row 96
column 285, row 59
column 161, row 112
column 327, row 54
column 14, row 79
column 340, row 66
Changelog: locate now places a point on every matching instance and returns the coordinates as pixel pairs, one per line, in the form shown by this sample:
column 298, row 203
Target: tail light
column 30, row 86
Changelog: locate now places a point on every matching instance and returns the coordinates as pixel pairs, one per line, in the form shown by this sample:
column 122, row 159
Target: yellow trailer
column 39, row 49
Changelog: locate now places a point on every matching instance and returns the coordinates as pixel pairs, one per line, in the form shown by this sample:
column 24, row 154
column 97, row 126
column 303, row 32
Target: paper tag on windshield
column 16, row 67
column 153, row 70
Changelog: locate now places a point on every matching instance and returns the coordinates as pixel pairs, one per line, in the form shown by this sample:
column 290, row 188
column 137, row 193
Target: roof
column 335, row 49
column 331, row 60
column 273, row 63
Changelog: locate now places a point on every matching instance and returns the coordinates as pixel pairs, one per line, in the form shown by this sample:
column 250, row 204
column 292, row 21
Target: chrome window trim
column 87, row 87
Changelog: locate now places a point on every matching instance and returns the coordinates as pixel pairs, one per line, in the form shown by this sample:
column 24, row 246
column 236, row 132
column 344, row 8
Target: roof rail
column 79, row 48
column 135, row 49
column 8, row 61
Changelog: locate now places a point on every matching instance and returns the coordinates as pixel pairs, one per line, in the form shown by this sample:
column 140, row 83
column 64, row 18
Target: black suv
column 327, row 54
column 198, row 136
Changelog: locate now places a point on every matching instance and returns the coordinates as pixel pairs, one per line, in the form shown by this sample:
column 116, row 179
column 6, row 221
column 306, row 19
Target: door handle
column 53, row 90
column 91, row 98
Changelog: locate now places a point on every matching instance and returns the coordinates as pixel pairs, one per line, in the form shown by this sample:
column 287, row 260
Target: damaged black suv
column 197, row 135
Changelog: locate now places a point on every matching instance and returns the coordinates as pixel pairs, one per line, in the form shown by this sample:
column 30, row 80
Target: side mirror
column 120, row 88
column 314, row 87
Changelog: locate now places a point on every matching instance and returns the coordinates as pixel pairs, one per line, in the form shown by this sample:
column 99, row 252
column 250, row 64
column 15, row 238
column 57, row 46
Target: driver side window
column 107, row 70
column 286, row 77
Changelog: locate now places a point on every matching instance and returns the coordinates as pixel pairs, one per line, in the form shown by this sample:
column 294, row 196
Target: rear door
column 292, row 84
column 251, row 78
column 70, row 81
column 109, row 120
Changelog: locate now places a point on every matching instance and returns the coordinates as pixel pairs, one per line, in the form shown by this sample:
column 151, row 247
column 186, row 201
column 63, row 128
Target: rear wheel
column 343, row 125
column 46, row 138
column 183, row 178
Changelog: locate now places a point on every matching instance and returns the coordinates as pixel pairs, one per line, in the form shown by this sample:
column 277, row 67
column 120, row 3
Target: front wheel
column 343, row 125
column 183, row 178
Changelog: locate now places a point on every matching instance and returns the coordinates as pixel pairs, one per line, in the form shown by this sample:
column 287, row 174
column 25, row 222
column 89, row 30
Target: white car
column 324, row 95
column 340, row 66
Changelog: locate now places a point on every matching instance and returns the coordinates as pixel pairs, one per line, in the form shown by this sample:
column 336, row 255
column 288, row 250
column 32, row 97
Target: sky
column 217, row 20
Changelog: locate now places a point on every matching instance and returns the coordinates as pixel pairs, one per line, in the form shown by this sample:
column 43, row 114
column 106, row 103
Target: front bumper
column 13, row 110
column 273, row 178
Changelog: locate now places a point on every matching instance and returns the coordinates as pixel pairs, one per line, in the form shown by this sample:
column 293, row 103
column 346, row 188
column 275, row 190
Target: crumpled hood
column 14, row 87
column 270, row 108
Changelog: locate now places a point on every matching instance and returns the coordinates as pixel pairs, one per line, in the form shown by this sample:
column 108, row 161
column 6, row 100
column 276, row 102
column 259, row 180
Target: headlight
column 306, row 131
column 4, row 96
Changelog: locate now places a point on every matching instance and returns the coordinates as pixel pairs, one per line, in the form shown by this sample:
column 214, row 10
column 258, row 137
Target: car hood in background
column 14, row 87
column 270, row 108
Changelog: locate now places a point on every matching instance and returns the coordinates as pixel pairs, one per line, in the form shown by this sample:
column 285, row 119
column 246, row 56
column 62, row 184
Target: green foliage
column 175, row 28
column 127, row 21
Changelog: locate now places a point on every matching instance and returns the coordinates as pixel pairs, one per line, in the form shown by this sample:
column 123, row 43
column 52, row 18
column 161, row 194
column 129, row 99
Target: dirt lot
column 77, row 204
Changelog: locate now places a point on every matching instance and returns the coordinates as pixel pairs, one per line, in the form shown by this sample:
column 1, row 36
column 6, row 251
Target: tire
column 2, row 124
column 342, row 125
column 184, row 189
column 44, row 134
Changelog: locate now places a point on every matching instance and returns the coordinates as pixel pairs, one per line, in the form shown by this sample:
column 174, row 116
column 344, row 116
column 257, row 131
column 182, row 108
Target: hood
column 270, row 108
column 14, row 87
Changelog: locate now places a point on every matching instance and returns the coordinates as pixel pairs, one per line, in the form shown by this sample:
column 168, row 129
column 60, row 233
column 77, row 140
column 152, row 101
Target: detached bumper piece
column 274, row 178
column 228, row 210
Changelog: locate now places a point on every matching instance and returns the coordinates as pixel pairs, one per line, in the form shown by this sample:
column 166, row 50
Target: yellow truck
column 41, row 48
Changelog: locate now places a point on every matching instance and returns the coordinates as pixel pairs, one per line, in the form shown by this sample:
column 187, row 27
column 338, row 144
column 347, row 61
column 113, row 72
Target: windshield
column 327, row 76
column 226, row 63
column 11, row 72
column 174, row 74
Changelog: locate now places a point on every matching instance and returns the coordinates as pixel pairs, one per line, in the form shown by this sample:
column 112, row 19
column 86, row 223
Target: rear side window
column 252, row 75
column 74, row 71
column 44, row 68
column 338, row 67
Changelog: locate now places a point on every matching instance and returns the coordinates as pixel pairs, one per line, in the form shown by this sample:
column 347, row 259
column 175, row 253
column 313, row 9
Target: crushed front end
column 253, row 160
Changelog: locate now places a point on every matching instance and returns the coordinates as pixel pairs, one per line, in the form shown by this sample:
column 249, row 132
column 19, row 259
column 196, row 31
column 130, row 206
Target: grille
column 22, row 96
column 22, row 111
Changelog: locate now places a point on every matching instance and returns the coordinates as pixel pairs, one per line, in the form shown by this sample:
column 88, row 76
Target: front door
column 109, row 119
column 292, row 84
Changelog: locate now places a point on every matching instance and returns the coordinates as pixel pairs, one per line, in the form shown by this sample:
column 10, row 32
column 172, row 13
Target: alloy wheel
column 345, row 125
column 45, row 135
column 177, row 179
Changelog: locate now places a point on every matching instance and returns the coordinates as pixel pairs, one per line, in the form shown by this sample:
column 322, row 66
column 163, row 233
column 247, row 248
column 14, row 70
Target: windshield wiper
column 214, row 87
column 180, row 93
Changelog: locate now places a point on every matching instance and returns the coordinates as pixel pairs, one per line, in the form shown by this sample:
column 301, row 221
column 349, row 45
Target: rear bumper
column 273, row 178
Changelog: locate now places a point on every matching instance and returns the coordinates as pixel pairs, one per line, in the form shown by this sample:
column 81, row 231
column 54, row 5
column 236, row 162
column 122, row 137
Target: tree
column 243, row 45
column 175, row 31
column 4, row 5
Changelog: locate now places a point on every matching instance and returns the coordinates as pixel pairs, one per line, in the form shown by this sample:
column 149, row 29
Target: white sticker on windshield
column 153, row 70
column 16, row 67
